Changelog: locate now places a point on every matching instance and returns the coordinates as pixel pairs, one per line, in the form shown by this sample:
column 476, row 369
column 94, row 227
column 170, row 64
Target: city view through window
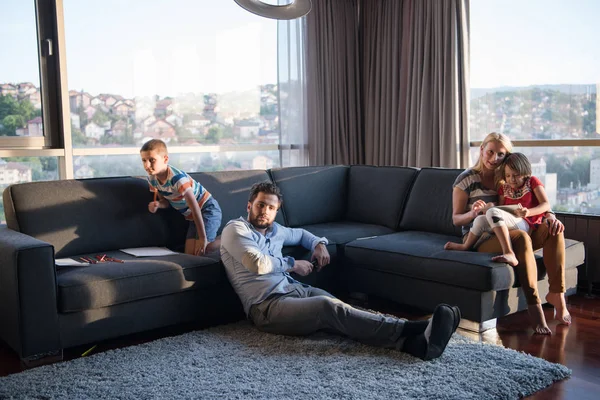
column 204, row 74
column 195, row 73
column 535, row 76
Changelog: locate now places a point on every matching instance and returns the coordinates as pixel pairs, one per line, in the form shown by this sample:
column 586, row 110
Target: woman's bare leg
column 554, row 260
column 561, row 313
column 527, row 272
column 538, row 320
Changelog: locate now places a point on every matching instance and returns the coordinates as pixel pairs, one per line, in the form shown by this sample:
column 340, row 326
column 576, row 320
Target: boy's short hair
column 519, row 163
column 155, row 145
column 265, row 187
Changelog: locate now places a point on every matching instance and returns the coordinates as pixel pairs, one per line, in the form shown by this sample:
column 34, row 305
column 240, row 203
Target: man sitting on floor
column 277, row 303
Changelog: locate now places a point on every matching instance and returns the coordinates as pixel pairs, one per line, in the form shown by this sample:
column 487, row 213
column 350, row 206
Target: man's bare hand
column 321, row 255
column 302, row 267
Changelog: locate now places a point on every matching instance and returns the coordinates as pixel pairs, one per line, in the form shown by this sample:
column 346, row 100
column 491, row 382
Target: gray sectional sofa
column 386, row 226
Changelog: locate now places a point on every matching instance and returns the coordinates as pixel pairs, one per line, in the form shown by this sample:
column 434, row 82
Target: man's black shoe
column 432, row 343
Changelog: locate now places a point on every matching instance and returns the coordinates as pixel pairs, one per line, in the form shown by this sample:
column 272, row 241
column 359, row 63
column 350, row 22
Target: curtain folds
column 291, row 84
column 387, row 82
column 333, row 83
column 415, row 63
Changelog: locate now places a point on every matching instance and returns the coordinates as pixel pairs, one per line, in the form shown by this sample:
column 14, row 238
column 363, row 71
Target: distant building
column 119, row 128
column 34, row 98
column 160, row 129
column 79, row 100
column 175, row 120
column 245, row 129
column 95, row 131
column 12, row 172
column 122, row 109
column 81, row 169
column 75, row 121
column 26, row 88
column 35, row 127
column 163, row 108
column 595, row 172
column 262, row 162
column 6, row 89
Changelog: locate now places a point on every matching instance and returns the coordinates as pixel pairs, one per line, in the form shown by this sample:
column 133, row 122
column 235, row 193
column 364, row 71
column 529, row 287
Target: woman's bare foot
column 561, row 314
column 538, row 321
column 455, row 246
column 508, row 258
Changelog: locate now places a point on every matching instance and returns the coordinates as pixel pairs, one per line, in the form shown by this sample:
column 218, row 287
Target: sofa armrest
column 28, row 304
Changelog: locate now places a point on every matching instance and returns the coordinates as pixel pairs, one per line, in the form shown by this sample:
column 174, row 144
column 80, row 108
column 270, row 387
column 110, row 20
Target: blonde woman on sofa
column 472, row 192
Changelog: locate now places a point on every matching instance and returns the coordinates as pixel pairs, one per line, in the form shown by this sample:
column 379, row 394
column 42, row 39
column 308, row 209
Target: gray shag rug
column 238, row 362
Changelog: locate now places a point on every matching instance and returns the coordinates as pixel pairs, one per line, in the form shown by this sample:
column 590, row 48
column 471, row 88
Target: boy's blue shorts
column 211, row 215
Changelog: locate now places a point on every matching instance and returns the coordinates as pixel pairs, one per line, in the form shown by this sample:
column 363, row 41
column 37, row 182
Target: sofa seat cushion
column 107, row 284
column 421, row 255
column 342, row 232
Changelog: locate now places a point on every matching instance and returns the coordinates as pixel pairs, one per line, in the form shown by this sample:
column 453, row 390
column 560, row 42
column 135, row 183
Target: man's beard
column 253, row 219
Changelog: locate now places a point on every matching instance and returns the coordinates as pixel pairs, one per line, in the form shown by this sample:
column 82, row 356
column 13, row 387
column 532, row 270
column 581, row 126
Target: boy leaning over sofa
column 175, row 188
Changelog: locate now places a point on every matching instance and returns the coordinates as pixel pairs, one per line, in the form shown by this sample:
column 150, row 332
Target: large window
column 199, row 74
column 535, row 76
column 192, row 73
column 20, row 96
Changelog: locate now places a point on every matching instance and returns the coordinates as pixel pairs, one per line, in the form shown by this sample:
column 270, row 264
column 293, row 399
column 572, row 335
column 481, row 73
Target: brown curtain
column 387, row 82
column 415, row 82
column 333, row 83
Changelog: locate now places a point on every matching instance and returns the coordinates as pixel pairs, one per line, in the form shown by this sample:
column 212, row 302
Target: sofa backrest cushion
column 377, row 195
column 231, row 189
column 90, row 215
column 312, row 195
column 429, row 205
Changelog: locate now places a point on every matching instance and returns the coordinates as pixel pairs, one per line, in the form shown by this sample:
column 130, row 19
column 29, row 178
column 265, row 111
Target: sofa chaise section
column 411, row 266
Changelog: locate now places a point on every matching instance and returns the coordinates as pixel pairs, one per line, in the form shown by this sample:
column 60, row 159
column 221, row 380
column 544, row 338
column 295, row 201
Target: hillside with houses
column 101, row 119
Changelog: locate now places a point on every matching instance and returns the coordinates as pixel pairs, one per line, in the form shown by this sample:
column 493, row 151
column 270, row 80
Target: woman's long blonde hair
column 492, row 137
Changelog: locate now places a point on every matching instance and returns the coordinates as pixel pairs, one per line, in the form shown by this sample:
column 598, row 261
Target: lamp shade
column 296, row 9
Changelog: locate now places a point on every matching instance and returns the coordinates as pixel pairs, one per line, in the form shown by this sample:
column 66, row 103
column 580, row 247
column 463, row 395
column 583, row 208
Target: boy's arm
column 160, row 202
column 192, row 204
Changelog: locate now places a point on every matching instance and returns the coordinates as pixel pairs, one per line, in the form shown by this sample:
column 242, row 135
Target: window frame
column 56, row 141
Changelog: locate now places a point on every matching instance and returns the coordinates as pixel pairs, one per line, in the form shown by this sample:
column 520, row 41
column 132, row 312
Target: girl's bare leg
column 467, row 245
column 508, row 255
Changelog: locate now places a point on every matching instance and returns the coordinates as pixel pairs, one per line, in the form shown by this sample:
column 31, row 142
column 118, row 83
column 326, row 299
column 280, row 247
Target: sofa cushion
column 312, row 195
column 343, row 232
column 90, row 215
column 107, row 284
column 377, row 195
column 231, row 189
column 421, row 255
column 429, row 206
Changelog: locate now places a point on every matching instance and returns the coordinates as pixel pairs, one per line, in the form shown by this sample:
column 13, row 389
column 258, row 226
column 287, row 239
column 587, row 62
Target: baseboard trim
column 478, row 327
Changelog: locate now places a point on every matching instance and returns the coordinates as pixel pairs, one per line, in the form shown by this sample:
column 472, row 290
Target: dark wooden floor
column 576, row 346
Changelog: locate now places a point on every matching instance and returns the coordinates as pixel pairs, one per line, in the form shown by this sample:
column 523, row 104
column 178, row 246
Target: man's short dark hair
column 267, row 188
